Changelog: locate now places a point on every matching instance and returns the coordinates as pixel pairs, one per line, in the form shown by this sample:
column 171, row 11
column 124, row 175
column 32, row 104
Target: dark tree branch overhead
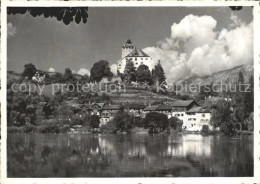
column 236, row 8
column 66, row 14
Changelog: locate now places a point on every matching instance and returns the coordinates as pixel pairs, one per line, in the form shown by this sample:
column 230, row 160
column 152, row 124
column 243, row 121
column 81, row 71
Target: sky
column 187, row 40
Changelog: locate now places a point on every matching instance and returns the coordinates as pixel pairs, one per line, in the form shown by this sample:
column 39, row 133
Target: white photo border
column 164, row 180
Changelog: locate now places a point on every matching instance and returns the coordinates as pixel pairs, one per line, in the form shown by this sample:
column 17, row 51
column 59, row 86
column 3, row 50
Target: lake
column 137, row 155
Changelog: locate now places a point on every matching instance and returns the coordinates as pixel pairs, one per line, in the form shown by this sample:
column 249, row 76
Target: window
column 203, row 115
column 142, row 63
column 141, row 58
column 146, row 58
column 136, row 59
column 136, row 63
column 181, row 114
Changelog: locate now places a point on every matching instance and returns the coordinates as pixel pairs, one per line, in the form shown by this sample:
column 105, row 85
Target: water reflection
column 63, row 155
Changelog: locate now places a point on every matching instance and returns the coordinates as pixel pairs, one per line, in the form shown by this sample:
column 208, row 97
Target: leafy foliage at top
column 65, row 14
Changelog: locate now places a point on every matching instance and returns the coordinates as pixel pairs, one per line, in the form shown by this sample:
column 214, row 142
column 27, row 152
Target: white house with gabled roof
column 137, row 56
column 196, row 118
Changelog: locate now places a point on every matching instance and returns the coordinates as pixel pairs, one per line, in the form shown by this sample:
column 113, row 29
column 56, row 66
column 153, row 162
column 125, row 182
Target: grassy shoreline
column 84, row 130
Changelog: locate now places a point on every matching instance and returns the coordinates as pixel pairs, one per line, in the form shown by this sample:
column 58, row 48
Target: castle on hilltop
column 137, row 56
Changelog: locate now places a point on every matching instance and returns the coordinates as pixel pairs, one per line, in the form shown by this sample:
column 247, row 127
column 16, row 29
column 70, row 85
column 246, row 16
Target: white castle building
column 130, row 52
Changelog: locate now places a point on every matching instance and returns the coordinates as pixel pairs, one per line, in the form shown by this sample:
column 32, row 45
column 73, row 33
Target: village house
column 196, row 118
column 96, row 108
column 148, row 109
column 135, row 109
column 180, row 107
column 161, row 108
column 38, row 78
column 108, row 112
column 192, row 115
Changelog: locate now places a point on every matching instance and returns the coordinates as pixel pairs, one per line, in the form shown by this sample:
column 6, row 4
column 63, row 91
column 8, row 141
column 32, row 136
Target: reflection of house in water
column 106, row 147
column 189, row 145
column 137, row 151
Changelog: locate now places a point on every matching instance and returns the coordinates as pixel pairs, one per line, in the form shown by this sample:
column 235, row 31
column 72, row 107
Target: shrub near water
column 49, row 126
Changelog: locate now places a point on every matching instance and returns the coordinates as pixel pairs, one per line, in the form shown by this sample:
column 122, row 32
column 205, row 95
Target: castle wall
column 137, row 62
column 127, row 50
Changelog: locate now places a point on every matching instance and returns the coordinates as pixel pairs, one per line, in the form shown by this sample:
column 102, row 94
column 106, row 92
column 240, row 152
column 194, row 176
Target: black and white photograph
column 129, row 91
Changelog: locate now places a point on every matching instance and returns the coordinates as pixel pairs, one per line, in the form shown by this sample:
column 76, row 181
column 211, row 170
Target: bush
column 64, row 129
column 94, row 121
column 176, row 123
column 49, row 126
column 28, row 128
column 14, row 129
column 156, row 122
column 228, row 128
column 109, row 128
column 205, row 129
column 124, row 122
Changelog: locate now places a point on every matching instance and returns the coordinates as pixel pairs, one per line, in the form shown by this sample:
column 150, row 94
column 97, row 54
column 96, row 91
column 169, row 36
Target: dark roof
column 87, row 106
column 198, row 110
column 99, row 104
column 182, row 103
column 137, row 53
column 151, row 108
column 164, row 107
column 160, row 107
column 111, row 107
column 135, row 106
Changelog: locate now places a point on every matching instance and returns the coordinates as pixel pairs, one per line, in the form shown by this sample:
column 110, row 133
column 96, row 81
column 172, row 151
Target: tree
column 94, row 121
column 100, row 70
column 68, row 76
column 85, row 78
column 48, row 109
column 143, row 74
column 205, row 130
column 57, row 77
column 221, row 113
column 123, row 121
column 221, row 117
column 239, row 99
column 249, row 98
column 29, row 70
column 156, row 122
column 175, row 123
column 64, row 112
column 129, row 72
column 66, row 14
column 158, row 74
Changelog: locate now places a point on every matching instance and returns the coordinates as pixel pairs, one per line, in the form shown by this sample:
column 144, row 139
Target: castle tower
column 127, row 48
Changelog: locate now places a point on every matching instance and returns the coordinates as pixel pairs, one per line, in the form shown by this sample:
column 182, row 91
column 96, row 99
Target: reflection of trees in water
column 21, row 160
column 234, row 154
column 63, row 155
column 73, row 157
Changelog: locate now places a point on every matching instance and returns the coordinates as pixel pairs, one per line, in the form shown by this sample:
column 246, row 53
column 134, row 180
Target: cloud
column 11, row 30
column 83, row 71
column 196, row 48
column 51, row 70
column 113, row 69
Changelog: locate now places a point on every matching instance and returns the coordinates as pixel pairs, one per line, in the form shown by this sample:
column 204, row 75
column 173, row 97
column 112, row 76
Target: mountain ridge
column 228, row 76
